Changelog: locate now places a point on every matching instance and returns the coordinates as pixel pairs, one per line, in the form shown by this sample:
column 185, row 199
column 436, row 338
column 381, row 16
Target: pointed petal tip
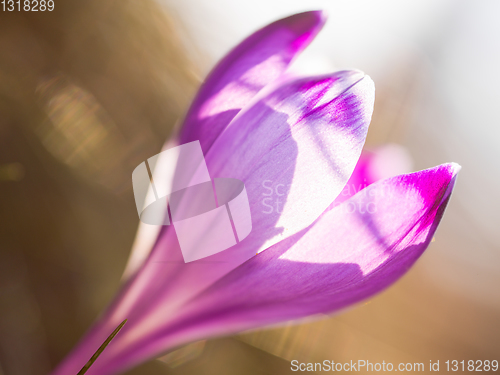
column 320, row 14
column 358, row 78
column 365, row 88
column 344, row 79
column 451, row 169
column 301, row 23
column 436, row 183
column 454, row 168
column 368, row 82
column 354, row 74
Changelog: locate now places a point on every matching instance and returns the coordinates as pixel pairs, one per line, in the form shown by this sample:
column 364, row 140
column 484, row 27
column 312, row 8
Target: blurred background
column 90, row 90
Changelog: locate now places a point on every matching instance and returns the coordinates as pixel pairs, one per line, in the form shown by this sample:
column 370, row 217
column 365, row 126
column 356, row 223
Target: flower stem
column 101, row 348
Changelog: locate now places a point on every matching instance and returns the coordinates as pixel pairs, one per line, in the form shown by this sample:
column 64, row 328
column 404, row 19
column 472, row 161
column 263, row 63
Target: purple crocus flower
column 295, row 142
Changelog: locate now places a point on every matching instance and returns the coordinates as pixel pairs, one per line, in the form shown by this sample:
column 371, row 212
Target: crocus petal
column 250, row 66
column 235, row 80
column 349, row 254
column 304, row 138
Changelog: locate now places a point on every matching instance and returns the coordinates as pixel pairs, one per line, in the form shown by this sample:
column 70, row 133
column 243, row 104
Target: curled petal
column 349, row 254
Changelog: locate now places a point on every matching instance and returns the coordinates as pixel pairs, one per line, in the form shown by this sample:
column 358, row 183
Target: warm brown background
column 91, row 90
